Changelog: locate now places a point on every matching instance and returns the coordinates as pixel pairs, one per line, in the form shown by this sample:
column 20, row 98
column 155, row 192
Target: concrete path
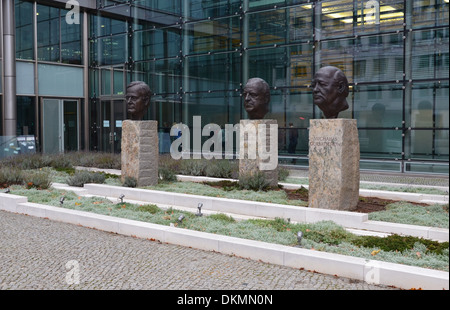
column 40, row 254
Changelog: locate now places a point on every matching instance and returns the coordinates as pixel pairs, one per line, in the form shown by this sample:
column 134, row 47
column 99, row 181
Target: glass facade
column 197, row 55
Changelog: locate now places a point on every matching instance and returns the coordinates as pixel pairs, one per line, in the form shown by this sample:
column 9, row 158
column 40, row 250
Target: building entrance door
column 113, row 113
column 60, row 125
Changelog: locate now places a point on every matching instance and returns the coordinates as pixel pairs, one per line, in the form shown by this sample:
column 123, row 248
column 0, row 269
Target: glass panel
column 284, row 66
column 337, row 53
column 428, row 13
column 301, row 65
column 24, row 29
column 71, row 40
column 301, row 23
column 52, row 134
column 26, row 115
column 213, row 36
column 378, row 106
column 429, row 105
column 119, row 117
column 381, row 143
column 57, row 80
column 214, row 72
column 25, row 78
column 48, row 35
column 441, row 145
column 268, row 28
column 202, row 9
column 347, row 17
column 380, row 165
column 163, row 76
column 429, row 121
column 427, row 168
column 104, row 26
column 212, row 107
column 261, row 4
column 106, row 81
column 119, row 83
column 156, row 44
column 442, row 105
column 430, row 54
column 105, row 125
column 110, row 50
column 276, row 108
column 70, row 125
column 172, row 6
column 93, row 83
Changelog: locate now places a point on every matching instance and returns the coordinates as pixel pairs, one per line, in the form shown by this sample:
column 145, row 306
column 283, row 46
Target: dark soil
column 365, row 204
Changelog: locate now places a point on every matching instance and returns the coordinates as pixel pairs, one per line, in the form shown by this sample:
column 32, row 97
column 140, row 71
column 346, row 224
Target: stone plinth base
column 258, row 150
column 334, row 155
column 140, row 152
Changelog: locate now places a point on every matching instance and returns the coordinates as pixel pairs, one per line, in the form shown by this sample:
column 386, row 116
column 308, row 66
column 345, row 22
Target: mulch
column 365, row 204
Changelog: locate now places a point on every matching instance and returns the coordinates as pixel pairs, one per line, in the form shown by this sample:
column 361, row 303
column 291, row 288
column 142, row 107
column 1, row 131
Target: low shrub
column 61, row 162
column 37, row 179
column 400, row 243
column 256, row 182
column 10, row 176
column 194, row 167
column 82, row 177
column 129, row 182
column 221, row 169
column 98, row 160
column 222, row 217
column 283, row 174
column 152, row 209
column 167, row 174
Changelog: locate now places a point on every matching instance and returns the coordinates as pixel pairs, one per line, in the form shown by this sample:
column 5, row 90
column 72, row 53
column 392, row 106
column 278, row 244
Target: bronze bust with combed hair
column 138, row 100
column 256, row 98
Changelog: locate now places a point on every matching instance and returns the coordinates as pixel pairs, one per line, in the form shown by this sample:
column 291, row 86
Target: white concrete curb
column 268, row 210
column 370, row 271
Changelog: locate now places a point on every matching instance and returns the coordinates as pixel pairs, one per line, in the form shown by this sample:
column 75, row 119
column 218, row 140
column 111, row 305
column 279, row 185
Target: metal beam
column 9, row 68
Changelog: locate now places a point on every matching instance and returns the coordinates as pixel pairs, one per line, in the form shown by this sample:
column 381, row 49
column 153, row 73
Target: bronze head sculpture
column 330, row 91
column 138, row 100
column 256, row 98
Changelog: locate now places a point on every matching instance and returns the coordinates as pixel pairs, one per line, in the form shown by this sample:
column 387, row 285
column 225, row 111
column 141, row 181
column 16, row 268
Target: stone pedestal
column 140, row 152
column 258, row 150
column 334, row 155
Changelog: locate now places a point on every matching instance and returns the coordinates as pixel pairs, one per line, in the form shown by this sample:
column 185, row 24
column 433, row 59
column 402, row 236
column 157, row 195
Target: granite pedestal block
column 140, row 152
column 258, row 152
column 334, row 154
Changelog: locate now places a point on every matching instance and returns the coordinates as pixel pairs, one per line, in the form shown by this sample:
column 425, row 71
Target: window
column 57, row 41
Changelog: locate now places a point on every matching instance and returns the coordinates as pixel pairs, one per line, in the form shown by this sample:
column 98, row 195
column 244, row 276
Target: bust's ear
column 341, row 87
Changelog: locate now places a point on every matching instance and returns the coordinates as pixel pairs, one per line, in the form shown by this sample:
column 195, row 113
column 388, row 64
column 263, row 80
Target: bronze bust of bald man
column 138, row 100
column 330, row 91
column 256, row 98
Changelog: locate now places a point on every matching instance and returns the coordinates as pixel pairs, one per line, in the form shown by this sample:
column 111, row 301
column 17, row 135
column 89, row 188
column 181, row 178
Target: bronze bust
column 256, row 98
column 138, row 100
column 330, row 91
